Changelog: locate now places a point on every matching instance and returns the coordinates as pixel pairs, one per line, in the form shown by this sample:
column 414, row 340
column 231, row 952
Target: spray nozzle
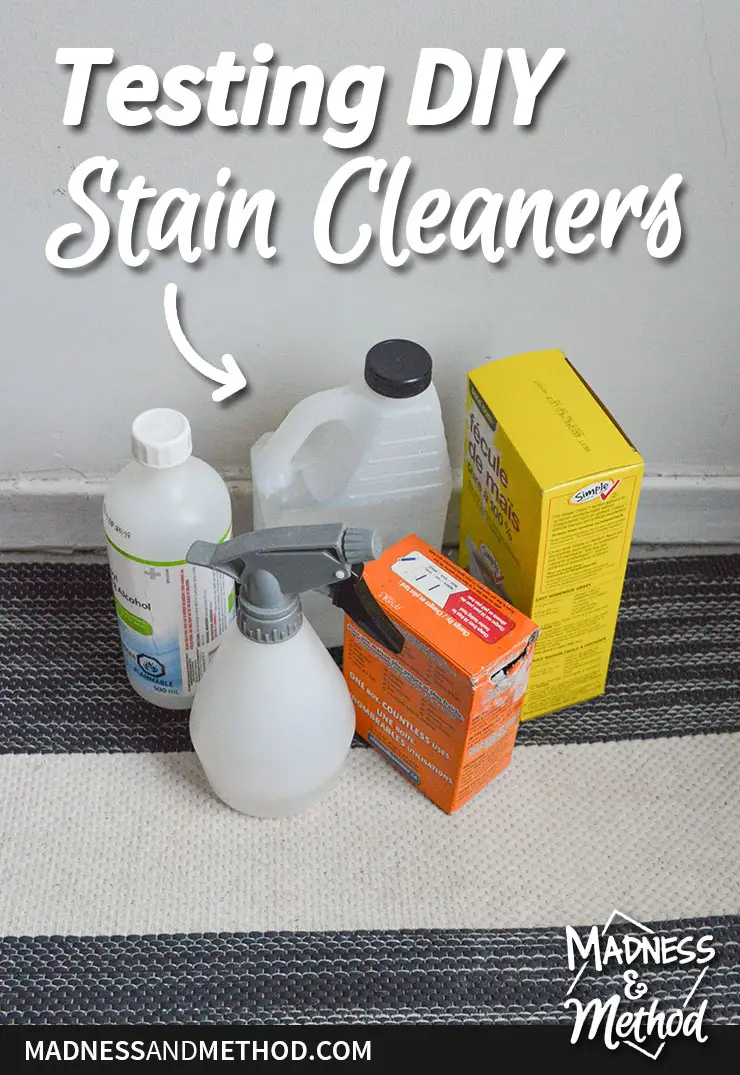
column 275, row 565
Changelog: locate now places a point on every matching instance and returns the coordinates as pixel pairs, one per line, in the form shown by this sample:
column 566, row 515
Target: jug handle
column 295, row 429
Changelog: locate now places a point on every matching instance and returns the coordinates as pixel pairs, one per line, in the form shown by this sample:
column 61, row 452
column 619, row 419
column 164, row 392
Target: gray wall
column 649, row 88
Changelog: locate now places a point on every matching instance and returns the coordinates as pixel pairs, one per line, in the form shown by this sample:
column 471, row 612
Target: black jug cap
column 398, row 369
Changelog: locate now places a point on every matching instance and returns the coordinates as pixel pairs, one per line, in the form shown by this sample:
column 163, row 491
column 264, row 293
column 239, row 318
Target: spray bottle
column 273, row 720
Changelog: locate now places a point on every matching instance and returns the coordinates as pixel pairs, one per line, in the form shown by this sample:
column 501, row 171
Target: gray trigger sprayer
column 273, row 720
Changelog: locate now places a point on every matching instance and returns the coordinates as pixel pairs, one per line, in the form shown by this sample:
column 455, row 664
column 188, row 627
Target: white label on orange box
column 434, row 583
column 427, row 577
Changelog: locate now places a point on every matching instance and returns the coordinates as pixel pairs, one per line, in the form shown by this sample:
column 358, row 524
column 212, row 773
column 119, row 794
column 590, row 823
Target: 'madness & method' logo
column 644, row 1026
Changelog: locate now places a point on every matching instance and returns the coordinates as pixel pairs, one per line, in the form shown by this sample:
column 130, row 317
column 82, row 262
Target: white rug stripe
column 116, row 844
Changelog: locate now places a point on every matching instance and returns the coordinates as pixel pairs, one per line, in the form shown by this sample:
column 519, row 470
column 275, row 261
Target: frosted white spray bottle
column 273, row 720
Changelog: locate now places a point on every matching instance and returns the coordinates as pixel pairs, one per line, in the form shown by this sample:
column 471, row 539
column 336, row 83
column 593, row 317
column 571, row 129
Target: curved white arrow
column 230, row 378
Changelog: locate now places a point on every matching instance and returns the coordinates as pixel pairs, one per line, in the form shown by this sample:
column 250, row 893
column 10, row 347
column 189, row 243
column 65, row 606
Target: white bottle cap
column 161, row 438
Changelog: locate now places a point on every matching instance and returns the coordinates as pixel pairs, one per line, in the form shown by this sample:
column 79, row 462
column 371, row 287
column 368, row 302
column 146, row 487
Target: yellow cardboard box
column 549, row 497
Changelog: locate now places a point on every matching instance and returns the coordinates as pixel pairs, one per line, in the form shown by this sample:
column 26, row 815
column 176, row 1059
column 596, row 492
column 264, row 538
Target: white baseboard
column 65, row 513
column 689, row 510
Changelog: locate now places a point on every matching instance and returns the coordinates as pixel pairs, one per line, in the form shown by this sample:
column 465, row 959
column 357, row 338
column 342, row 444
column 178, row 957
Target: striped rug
column 128, row 894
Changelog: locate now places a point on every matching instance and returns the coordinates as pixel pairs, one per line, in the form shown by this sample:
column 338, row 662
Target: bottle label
column 171, row 617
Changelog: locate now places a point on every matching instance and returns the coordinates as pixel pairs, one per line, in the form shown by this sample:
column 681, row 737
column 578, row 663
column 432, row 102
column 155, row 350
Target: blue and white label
column 171, row 618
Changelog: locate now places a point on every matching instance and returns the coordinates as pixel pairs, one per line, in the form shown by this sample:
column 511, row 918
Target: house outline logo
column 634, row 1026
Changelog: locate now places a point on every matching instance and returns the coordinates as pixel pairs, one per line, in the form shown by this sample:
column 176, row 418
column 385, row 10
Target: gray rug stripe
column 425, row 976
column 675, row 668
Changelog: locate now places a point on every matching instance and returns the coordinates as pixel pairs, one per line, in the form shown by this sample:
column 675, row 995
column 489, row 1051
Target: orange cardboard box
column 446, row 710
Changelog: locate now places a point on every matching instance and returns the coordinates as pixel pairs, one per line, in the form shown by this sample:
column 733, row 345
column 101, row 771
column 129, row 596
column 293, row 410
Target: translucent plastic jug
column 372, row 454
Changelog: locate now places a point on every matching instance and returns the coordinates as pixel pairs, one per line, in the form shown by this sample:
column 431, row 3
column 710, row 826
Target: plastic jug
column 372, row 453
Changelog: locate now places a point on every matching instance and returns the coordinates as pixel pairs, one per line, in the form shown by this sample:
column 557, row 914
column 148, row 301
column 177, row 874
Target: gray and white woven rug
column 129, row 895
